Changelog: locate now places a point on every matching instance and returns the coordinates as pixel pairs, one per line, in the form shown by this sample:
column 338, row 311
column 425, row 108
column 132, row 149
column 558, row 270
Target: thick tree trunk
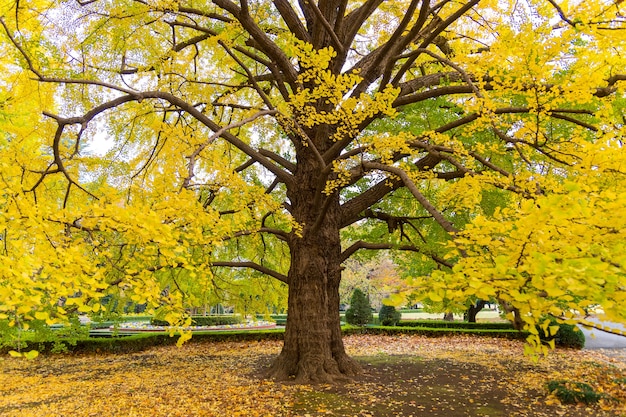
column 473, row 310
column 518, row 323
column 313, row 350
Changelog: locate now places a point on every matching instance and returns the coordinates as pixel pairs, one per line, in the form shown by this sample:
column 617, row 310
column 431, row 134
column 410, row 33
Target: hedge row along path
column 405, row 376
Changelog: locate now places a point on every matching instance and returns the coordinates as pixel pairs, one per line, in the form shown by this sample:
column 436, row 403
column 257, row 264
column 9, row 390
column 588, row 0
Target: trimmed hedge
column 279, row 319
column 436, row 332
column 204, row 321
column 440, row 324
column 143, row 341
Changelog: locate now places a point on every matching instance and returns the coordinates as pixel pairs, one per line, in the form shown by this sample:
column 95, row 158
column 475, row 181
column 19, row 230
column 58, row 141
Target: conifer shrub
column 360, row 311
column 389, row 316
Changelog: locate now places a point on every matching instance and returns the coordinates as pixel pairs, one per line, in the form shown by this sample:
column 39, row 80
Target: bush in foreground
column 568, row 336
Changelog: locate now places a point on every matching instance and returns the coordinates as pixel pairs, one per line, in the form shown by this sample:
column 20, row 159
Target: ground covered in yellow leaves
column 404, row 376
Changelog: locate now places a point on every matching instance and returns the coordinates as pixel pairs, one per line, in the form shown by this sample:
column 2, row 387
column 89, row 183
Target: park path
column 609, row 344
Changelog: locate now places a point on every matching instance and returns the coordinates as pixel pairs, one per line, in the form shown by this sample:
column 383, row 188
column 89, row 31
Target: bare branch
column 389, row 246
column 562, row 14
column 192, row 158
column 410, row 185
column 331, row 32
column 292, row 20
column 253, row 265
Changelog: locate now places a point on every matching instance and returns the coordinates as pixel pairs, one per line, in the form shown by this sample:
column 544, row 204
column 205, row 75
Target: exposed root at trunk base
column 314, row 369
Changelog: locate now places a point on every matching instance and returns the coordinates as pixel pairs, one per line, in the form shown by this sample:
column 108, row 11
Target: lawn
column 404, row 376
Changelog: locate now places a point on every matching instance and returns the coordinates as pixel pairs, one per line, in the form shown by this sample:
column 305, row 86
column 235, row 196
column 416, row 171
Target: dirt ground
column 456, row 377
column 404, row 386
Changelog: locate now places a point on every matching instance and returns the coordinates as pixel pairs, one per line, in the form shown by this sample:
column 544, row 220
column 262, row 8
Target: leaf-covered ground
column 405, row 376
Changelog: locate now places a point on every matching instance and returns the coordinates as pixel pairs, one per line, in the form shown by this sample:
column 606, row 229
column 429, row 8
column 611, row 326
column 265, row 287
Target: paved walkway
column 608, row 344
column 597, row 339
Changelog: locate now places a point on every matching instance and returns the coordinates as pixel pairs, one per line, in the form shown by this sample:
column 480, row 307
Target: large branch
column 264, row 43
column 350, row 210
column 389, row 246
column 292, row 19
column 410, row 185
column 355, row 19
column 324, row 23
column 253, row 265
column 194, row 155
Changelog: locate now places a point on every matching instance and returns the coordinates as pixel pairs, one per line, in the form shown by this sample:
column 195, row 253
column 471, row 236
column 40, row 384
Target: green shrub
column 360, row 311
column 571, row 392
column 568, row 336
column 279, row 319
column 389, row 316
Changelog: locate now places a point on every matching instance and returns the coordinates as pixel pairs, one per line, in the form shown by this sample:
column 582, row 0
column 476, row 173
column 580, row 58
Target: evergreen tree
column 360, row 311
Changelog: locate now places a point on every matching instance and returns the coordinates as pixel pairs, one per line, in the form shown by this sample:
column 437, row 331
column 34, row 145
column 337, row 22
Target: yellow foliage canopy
column 148, row 145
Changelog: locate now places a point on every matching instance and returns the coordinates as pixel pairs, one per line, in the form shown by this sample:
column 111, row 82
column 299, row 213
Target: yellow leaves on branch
column 561, row 253
column 319, row 83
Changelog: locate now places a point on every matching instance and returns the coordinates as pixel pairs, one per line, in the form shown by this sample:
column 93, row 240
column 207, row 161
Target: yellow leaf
column 435, row 297
column 41, row 315
column 183, row 338
column 84, row 308
column 32, row 354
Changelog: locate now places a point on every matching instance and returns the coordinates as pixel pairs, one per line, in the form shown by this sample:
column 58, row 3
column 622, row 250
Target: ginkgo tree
column 142, row 137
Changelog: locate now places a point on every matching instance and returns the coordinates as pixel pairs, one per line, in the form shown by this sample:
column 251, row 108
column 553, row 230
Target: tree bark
column 518, row 323
column 473, row 310
column 313, row 349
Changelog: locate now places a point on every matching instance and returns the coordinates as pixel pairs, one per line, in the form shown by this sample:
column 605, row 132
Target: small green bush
column 568, row 336
column 360, row 311
column 389, row 316
column 572, row 392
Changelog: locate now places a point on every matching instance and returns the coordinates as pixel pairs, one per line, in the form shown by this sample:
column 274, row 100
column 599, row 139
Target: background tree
column 251, row 134
column 376, row 276
column 360, row 311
